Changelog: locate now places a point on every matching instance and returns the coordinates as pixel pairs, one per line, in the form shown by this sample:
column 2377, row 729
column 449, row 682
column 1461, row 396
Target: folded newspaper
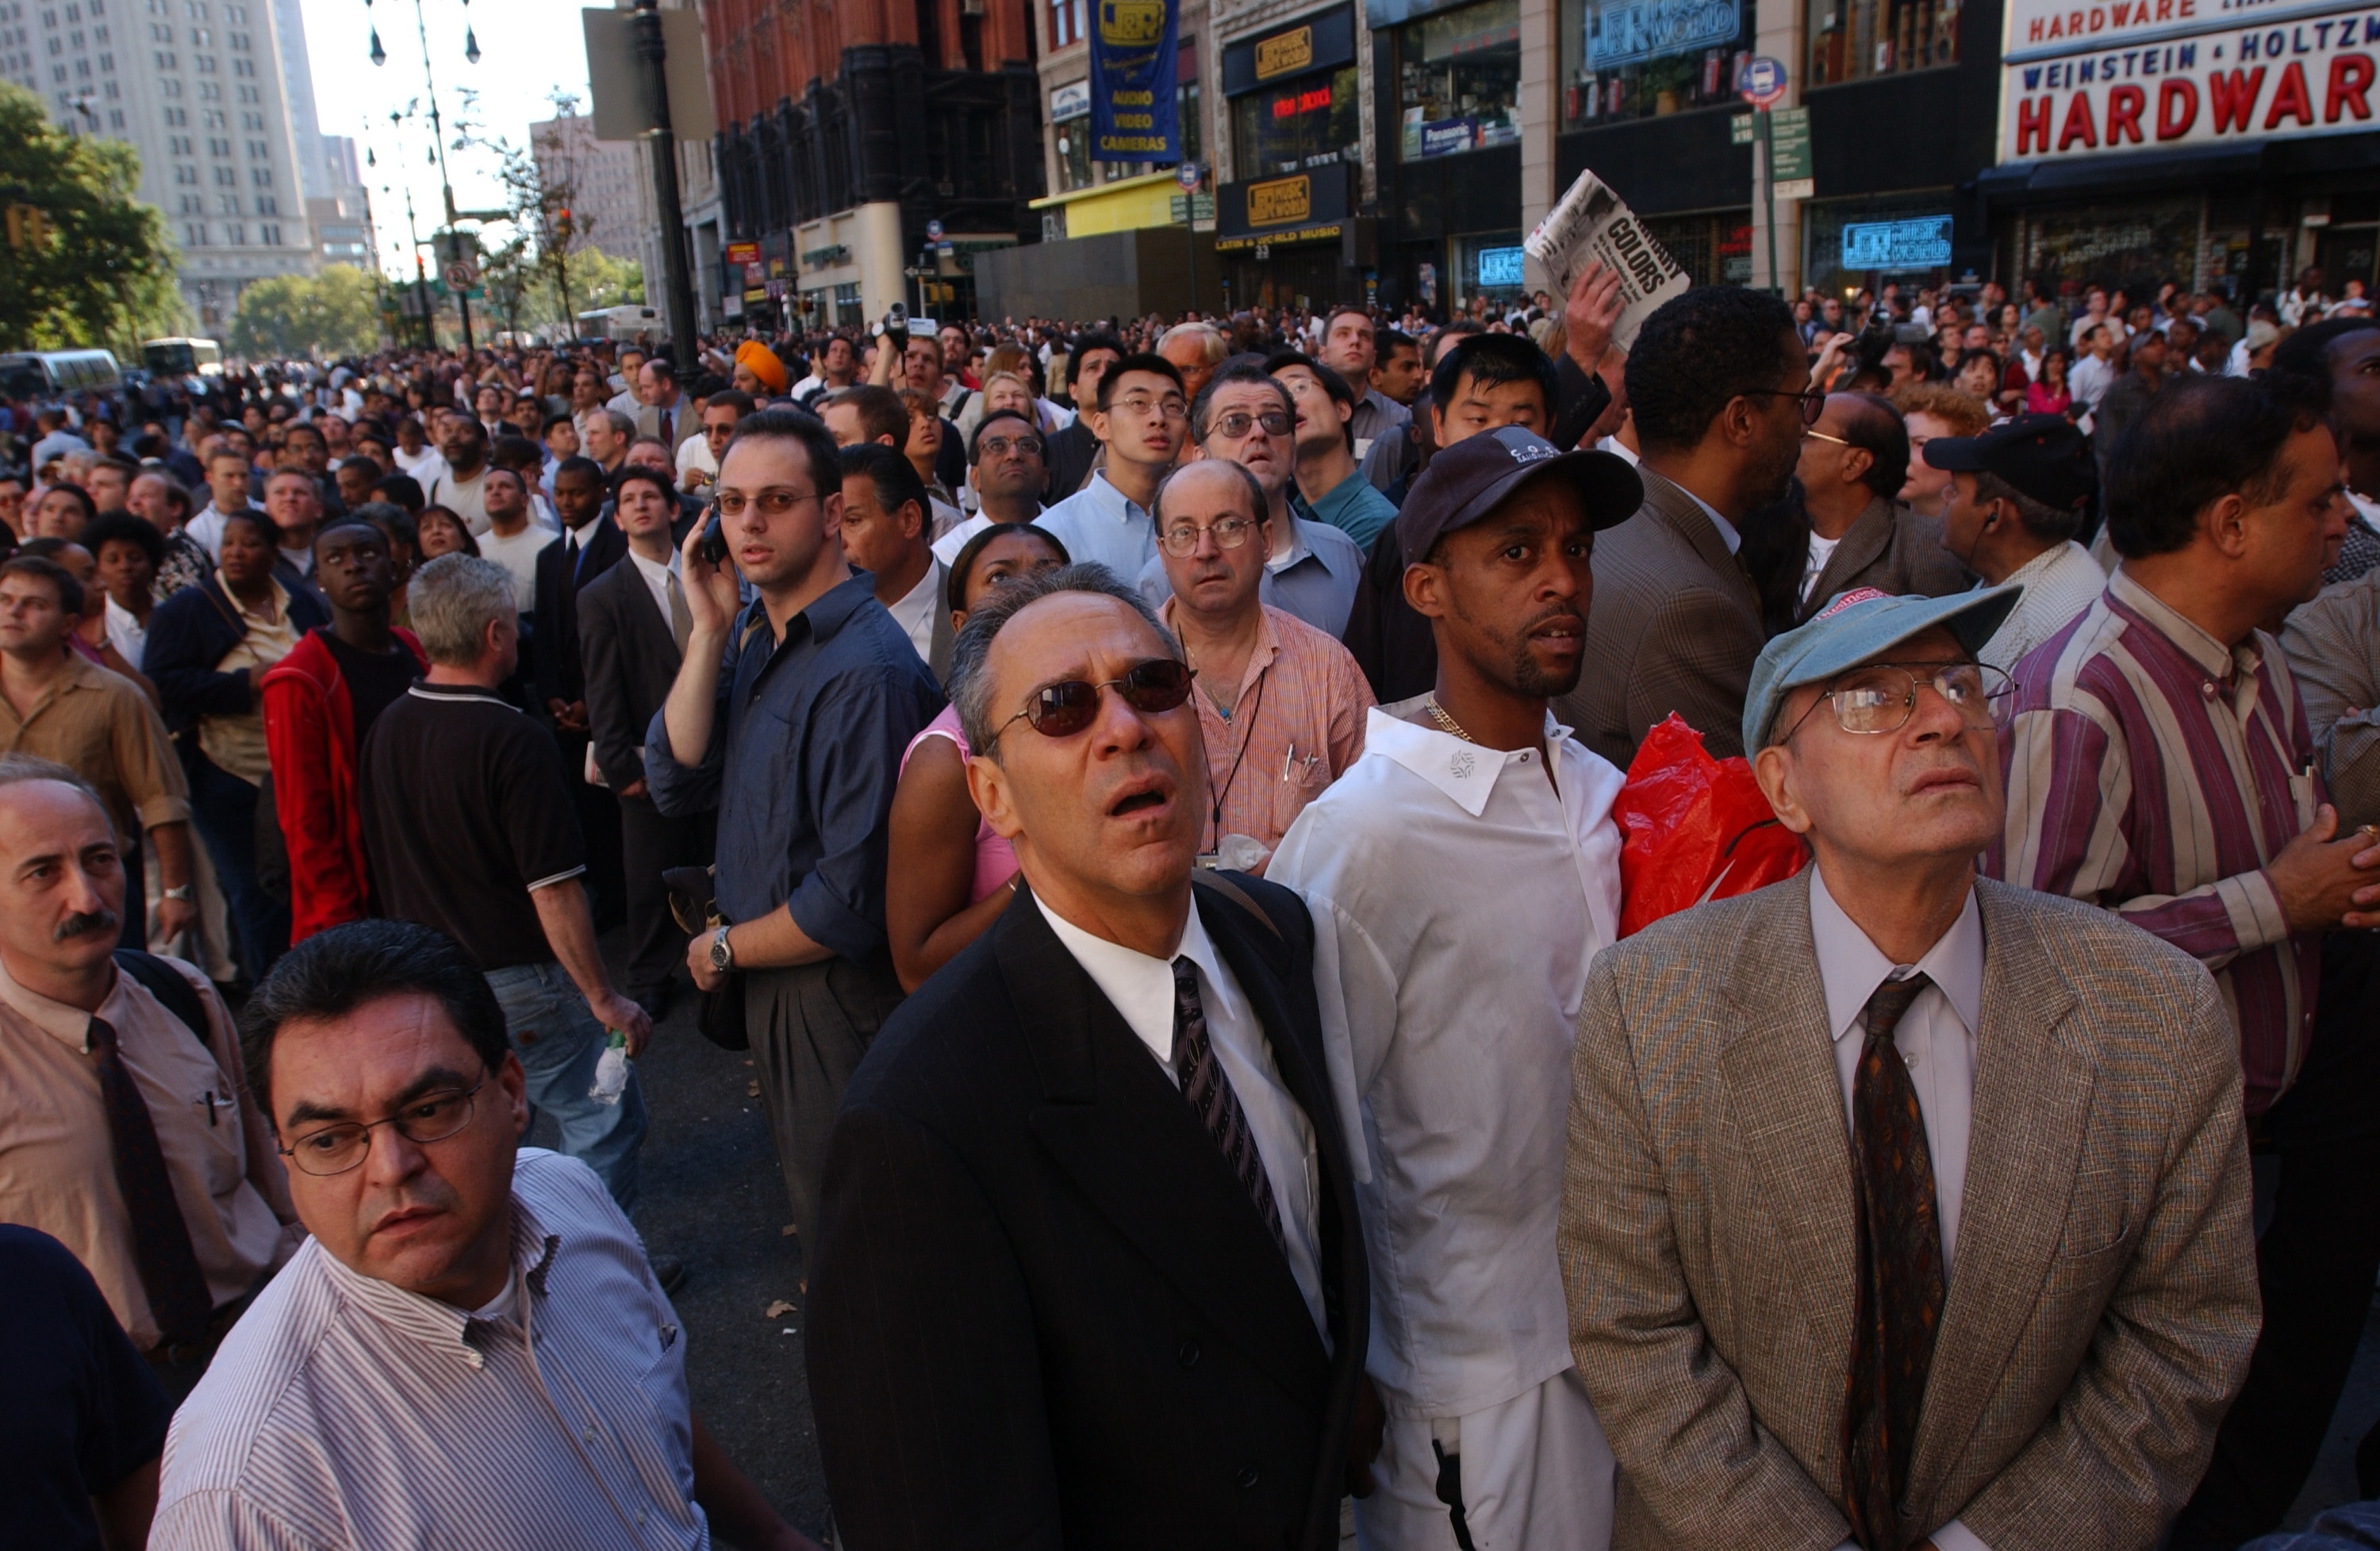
column 1592, row 225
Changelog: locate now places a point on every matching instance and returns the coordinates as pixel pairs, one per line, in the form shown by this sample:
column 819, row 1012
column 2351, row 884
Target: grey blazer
column 1893, row 549
column 2102, row 1299
column 1673, row 626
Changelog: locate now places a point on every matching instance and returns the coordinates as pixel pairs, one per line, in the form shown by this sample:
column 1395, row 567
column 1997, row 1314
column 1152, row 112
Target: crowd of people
column 1158, row 803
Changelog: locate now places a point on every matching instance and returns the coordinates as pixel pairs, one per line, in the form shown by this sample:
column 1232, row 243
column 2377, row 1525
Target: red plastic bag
column 1693, row 829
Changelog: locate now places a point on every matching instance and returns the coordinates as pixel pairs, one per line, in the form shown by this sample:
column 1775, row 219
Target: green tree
column 600, row 279
column 336, row 314
column 103, row 273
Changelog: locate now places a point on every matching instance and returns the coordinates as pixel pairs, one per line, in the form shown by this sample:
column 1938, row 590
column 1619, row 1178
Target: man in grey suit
column 1852, row 463
column 1979, row 1275
column 1719, row 387
column 666, row 414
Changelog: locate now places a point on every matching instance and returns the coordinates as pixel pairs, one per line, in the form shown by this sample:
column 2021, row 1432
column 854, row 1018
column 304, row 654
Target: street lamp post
column 437, row 140
column 652, row 54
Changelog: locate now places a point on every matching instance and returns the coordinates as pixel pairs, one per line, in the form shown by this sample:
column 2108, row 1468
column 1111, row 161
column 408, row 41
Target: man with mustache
column 1903, row 1209
column 125, row 1131
column 1719, row 387
column 1089, row 1271
column 1461, row 876
column 471, row 1349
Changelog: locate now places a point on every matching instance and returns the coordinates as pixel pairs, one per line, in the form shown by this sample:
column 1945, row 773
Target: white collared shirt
column 656, row 579
column 1098, row 523
column 1141, row 991
column 1458, row 898
column 1727, row 533
column 2059, row 583
column 913, row 612
column 129, row 636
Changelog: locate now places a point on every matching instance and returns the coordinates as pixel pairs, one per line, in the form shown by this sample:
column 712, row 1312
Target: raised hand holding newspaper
column 1590, row 226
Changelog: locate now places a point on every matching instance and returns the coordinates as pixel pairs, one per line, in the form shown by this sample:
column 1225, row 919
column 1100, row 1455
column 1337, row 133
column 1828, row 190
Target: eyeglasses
column 1880, row 696
column 1180, row 541
column 774, row 502
column 1238, row 423
column 1822, row 436
column 432, row 1117
column 1001, row 446
column 1812, row 400
column 1065, row 708
column 1170, row 408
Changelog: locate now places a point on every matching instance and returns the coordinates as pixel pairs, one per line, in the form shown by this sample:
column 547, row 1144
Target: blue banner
column 1134, row 114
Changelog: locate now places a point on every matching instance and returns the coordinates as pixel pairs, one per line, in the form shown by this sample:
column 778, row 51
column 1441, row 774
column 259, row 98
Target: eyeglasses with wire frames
column 1812, row 400
column 1151, row 687
column 774, row 500
column 1001, row 446
column 430, row 1117
column 1877, row 698
column 1172, row 406
column 1180, row 541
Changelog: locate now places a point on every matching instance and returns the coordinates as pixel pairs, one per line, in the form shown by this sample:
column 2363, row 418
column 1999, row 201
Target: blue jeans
column 559, row 1042
column 225, row 808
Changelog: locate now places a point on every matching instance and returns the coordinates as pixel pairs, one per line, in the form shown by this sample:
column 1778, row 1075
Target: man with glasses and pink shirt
column 788, row 716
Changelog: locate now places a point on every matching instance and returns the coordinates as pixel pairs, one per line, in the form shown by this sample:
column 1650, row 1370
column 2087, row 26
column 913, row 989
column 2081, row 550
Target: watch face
column 719, row 959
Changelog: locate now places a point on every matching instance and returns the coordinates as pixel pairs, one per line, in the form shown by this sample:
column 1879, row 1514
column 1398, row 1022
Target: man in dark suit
column 1089, row 1269
column 591, row 544
column 632, row 628
column 1719, row 388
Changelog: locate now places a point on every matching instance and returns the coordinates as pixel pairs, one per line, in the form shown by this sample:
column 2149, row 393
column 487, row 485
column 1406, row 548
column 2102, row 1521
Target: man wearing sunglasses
column 1460, row 878
column 471, row 1348
column 1719, row 388
column 788, row 716
column 1090, row 1267
column 1902, row 1208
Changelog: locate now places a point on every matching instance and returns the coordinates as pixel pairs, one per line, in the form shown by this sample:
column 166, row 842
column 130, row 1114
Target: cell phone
column 712, row 548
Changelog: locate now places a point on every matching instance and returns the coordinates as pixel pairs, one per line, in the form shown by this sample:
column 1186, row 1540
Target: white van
column 50, row 374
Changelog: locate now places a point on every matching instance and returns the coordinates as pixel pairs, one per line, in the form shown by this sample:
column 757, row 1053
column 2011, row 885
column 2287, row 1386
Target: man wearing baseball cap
column 1903, row 1209
column 1461, row 876
column 2019, row 494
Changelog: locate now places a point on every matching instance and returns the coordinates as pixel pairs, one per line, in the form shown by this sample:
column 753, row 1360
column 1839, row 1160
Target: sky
column 529, row 49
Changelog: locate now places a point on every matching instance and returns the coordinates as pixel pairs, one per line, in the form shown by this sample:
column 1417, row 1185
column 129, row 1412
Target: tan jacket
column 1893, row 549
column 1673, row 626
column 2103, row 1303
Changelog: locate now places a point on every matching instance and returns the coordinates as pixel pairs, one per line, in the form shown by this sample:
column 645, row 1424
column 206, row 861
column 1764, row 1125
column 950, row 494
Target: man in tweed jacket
column 2060, row 1255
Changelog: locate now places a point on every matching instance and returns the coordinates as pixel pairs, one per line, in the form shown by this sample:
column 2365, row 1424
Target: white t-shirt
column 518, row 555
column 1821, row 551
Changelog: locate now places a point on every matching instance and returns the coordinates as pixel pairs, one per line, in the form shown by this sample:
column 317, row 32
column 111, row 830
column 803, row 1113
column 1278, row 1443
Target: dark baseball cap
column 1464, row 483
column 2043, row 456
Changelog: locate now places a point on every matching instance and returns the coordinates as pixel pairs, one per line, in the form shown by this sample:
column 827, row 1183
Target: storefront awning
column 2155, row 171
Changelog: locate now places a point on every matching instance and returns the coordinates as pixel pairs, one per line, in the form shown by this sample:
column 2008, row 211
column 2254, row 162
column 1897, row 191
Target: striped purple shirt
column 344, row 1412
column 2157, row 771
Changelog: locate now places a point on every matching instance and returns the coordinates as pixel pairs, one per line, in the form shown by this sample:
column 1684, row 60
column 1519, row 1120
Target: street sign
column 461, row 275
column 1790, row 170
column 1740, row 130
column 1188, row 174
column 933, row 231
column 1192, row 207
column 1761, row 82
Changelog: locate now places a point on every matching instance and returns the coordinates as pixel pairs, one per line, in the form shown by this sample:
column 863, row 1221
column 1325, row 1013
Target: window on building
column 1300, row 123
column 1073, row 154
column 210, row 93
column 1193, row 128
column 243, row 66
column 217, row 146
column 1066, row 22
column 269, row 235
column 1459, row 79
column 116, row 118
column 107, row 64
column 177, row 145
column 267, row 205
column 74, row 39
column 239, row 42
column 226, row 204
column 236, row 234
column 1854, row 38
column 194, row 234
column 203, row 63
column 226, row 175
column 251, row 121
column 260, row 177
column 82, row 68
column 58, row 74
column 191, row 204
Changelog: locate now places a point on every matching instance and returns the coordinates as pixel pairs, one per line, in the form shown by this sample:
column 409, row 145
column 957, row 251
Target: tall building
column 610, row 208
column 342, row 218
column 196, row 87
column 848, row 126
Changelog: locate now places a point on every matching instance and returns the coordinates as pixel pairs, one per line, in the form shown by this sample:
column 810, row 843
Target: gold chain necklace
column 1438, row 714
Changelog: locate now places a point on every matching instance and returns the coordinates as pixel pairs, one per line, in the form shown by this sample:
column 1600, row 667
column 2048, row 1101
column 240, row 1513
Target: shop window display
column 1851, row 40
column 1299, row 124
column 1626, row 59
column 1459, row 81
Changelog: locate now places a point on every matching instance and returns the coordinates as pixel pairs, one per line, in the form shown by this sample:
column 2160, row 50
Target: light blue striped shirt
column 345, row 1412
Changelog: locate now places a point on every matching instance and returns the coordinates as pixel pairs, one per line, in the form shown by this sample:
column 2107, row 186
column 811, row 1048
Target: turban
column 762, row 362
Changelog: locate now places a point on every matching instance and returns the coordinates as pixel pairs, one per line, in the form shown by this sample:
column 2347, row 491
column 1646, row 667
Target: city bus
column 182, row 358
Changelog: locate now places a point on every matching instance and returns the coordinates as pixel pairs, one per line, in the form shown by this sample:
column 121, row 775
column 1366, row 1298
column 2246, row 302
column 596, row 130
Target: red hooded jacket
column 309, row 731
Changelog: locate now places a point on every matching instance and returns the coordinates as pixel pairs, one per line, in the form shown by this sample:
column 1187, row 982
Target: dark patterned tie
column 178, row 1299
column 1900, row 1284
column 1210, row 1098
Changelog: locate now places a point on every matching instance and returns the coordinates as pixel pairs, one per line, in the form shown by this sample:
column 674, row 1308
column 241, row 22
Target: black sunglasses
column 1065, row 708
column 1812, row 401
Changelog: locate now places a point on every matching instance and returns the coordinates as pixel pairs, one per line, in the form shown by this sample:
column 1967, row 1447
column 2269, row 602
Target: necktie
column 681, row 618
column 1901, row 1283
column 178, row 1299
column 1209, row 1095
column 665, row 426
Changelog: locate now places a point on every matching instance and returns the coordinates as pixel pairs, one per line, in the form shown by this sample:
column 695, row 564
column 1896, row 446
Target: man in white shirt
column 461, row 1299
column 697, row 456
column 227, row 492
column 1461, row 876
column 461, row 488
column 2019, row 493
column 1902, row 1208
column 884, row 534
column 1142, row 420
column 513, row 541
column 2094, row 369
column 414, row 455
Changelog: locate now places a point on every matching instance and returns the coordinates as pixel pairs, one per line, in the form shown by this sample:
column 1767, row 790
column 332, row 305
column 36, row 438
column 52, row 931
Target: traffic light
column 562, row 222
column 28, row 226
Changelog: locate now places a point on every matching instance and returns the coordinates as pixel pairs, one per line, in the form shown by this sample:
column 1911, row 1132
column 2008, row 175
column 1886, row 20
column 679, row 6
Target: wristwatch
column 723, row 957
column 183, row 893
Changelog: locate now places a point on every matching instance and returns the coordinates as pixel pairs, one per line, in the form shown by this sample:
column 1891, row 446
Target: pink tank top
column 995, row 860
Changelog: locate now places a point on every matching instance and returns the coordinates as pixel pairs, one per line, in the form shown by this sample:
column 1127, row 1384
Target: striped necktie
column 1900, row 1278
column 178, row 1299
column 1209, row 1095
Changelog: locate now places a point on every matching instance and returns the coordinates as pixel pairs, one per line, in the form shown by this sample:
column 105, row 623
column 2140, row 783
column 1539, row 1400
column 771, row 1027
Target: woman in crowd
column 442, row 532
column 947, row 874
column 208, row 648
column 2050, row 395
column 125, row 552
column 925, row 443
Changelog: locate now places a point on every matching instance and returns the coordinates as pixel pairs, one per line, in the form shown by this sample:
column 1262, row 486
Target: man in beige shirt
column 58, row 705
column 167, row 1189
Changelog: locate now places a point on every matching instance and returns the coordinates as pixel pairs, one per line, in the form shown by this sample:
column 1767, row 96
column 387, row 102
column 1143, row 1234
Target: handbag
column 718, row 1013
